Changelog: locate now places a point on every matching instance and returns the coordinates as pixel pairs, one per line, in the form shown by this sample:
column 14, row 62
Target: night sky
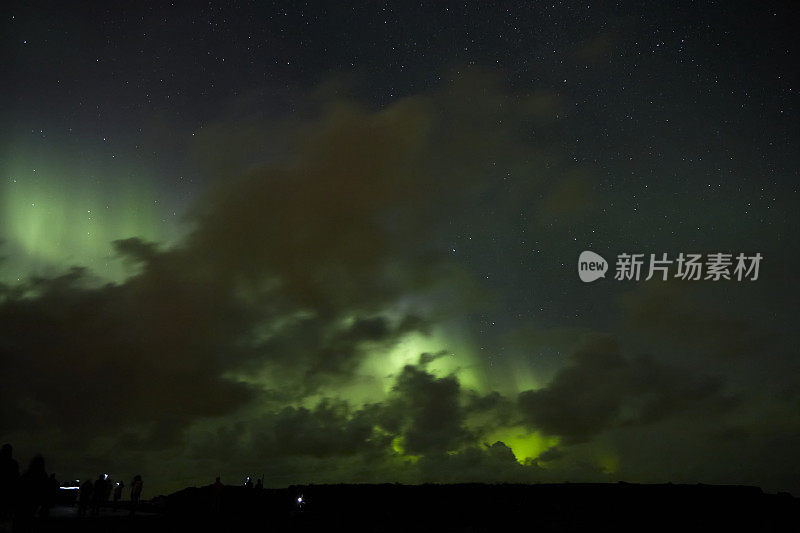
column 338, row 241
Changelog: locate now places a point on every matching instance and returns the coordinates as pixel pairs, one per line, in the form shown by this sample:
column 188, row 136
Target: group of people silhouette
column 92, row 496
column 34, row 492
column 24, row 496
column 248, row 483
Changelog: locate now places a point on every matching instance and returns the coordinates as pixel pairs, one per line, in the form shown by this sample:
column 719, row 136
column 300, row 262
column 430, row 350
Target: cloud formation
column 304, row 325
column 600, row 390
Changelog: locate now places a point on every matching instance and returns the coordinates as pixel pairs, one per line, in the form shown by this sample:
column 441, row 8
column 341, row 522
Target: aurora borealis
column 68, row 212
column 338, row 243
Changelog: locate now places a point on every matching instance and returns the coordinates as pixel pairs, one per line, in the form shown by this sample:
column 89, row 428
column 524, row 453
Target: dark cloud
column 325, row 431
column 137, row 250
column 366, row 334
column 600, row 389
column 695, row 320
column 435, row 419
column 426, row 358
column 82, row 359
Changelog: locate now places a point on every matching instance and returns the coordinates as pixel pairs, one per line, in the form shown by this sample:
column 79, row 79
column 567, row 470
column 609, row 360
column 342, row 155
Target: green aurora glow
column 58, row 212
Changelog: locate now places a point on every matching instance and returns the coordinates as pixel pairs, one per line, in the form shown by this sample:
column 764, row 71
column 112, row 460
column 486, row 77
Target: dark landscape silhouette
column 34, row 501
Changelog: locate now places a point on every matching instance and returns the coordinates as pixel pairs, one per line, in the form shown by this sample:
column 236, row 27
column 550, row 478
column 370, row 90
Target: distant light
column 299, row 499
column 105, row 476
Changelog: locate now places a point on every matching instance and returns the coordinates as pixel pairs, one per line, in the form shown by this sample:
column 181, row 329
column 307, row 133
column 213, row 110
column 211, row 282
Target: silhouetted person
column 9, row 474
column 31, row 494
column 259, row 484
column 106, row 489
column 216, row 498
column 136, row 492
column 51, row 495
column 99, row 494
column 118, row 493
column 85, row 497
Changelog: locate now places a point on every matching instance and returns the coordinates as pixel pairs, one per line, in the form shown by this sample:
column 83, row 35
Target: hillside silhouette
column 460, row 507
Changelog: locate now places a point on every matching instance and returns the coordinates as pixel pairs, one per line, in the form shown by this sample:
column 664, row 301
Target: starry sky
column 338, row 241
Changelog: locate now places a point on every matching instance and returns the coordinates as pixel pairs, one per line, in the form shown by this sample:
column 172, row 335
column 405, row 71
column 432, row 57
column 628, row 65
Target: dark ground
column 563, row 507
